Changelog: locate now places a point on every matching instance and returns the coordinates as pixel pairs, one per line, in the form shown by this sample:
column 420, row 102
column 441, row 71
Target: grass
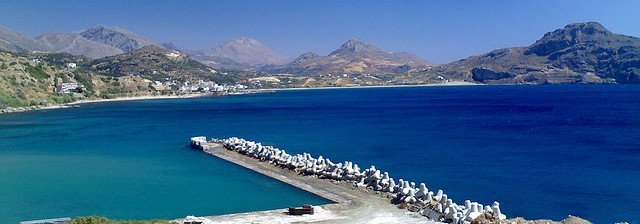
column 103, row 220
column 7, row 100
column 62, row 76
column 36, row 72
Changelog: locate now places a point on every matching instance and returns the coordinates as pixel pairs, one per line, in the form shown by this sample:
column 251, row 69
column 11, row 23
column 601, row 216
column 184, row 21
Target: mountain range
column 353, row 57
column 239, row 54
column 96, row 42
column 577, row 53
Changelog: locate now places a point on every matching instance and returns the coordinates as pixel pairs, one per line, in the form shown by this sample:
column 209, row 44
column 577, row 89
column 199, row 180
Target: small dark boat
column 305, row 209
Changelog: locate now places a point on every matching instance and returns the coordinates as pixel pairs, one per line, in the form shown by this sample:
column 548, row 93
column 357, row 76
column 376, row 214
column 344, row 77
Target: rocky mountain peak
column 125, row 40
column 75, row 44
column 356, row 46
column 304, row 58
column 243, row 42
column 577, row 53
column 308, row 55
column 570, row 35
column 242, row 51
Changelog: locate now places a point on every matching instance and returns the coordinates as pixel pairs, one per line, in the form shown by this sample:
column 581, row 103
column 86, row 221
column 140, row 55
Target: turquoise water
column 542, row 151
column 122, row 161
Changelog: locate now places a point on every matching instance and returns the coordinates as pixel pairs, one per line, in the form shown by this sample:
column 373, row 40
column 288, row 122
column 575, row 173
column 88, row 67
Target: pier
column 352, row 204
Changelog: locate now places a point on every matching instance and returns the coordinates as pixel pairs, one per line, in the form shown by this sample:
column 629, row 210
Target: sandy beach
column 453, row 83
column 195, row 95
column 76, row 103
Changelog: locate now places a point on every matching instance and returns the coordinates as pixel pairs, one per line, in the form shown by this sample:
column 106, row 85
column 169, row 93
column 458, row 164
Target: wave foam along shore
column 436, row 206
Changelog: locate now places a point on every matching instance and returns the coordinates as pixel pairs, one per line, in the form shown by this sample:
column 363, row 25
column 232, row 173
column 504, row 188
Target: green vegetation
column 62, row 76
column 64, row 98
column 84, row 78
column 7, row 100
column 36, row 72
column 103, row 220
column 4, row 66
column 60, row 59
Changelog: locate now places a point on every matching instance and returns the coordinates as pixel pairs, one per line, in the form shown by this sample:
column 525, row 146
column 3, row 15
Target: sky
column 439, row 31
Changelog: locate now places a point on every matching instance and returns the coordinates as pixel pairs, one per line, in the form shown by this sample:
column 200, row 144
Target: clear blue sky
column 439, row 31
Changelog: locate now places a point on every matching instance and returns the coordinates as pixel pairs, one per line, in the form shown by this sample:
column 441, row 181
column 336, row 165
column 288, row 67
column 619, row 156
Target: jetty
column 359, row 196
column 48, row 221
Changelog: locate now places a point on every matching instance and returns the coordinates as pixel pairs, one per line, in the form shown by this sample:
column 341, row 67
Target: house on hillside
column 69, row 87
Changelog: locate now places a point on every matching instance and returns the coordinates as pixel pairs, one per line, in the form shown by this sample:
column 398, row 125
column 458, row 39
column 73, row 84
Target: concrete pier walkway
column 352, row 204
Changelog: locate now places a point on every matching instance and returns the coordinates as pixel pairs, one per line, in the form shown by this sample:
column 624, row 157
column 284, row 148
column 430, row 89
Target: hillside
column 30, row 80
column 353, row 57
column 157, row 63
column 577, row 53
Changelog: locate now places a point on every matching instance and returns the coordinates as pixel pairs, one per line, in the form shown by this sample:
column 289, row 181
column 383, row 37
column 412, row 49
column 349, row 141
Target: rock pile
column 436, row 206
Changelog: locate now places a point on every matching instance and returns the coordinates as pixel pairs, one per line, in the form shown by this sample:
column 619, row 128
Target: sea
column 542, row 151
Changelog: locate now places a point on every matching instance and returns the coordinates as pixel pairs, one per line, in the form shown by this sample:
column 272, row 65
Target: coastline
column 117, row 99
column 454, row 83
column 132, row 98
column 197, row 95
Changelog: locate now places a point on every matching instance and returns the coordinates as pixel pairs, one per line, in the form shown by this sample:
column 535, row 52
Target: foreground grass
column 103, row 220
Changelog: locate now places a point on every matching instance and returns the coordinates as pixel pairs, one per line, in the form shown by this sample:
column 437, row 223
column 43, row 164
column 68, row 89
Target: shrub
column 85, row 80
column 37, row 72
column 62, row 76
column 7, row 100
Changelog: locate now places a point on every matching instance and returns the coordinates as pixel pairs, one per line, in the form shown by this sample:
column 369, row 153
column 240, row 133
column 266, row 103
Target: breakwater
column 416, row 198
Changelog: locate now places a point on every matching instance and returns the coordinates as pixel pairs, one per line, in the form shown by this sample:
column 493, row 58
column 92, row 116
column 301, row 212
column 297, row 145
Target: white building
column 68, row 87
column 71, row 65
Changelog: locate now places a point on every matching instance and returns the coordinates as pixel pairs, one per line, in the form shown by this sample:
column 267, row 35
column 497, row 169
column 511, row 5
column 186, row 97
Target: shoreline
column 454, row 83
column 133, row 98
column 10, row 110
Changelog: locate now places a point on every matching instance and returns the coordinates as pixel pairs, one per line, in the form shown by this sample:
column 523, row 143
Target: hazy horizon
column 438, row 31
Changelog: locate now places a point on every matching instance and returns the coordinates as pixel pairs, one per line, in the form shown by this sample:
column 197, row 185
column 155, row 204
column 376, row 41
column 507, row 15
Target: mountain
column 353, row 57
column 76, row 44
column 156, row 63
column 13, row 41
column 95, row 42
column 240, row 53
column 577, row 53
column 304, row 58
column 122, row 39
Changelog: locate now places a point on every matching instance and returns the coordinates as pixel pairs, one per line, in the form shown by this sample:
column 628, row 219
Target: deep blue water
column 542, row 151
